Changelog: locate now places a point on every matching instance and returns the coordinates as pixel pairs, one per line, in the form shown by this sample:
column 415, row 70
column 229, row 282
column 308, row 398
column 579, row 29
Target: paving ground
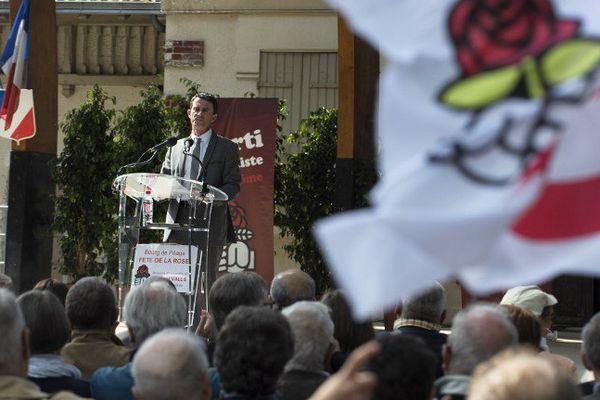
column 568, row 344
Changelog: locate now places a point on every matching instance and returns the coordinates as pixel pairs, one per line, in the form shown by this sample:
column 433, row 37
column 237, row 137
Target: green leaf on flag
column 483, row 89
column 569, row 60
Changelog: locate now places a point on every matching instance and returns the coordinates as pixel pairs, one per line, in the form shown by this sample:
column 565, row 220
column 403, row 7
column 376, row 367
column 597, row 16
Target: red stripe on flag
column 563, row 211
column 26, row 128
column 13, row 103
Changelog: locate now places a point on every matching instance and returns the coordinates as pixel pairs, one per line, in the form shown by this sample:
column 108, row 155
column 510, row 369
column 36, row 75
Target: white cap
column 531, row 298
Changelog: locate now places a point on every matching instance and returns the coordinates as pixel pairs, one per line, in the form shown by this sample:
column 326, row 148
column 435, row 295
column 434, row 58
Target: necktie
column 195, row 165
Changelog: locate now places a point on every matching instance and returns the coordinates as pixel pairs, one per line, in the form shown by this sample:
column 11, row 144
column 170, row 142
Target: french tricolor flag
column 17, row 117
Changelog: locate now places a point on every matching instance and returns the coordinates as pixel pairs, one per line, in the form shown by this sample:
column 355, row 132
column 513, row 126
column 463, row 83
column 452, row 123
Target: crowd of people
column 281, row 343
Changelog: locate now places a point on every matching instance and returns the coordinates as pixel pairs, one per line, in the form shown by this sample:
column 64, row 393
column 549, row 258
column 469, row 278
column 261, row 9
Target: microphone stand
column 139, row 163
column 203, row 174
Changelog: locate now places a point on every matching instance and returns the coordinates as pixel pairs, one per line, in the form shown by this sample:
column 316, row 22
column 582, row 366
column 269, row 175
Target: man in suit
column 220, row 158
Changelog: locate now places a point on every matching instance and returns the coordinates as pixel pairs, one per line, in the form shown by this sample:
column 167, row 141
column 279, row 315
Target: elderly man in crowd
column 478, row 333
column 313, row 345
column 14, row 355
column 252, row 349
column 590, row 354
column 92, row 310
column 422, row 316
column 291, row 286
column 171, row 365
column 148, row 309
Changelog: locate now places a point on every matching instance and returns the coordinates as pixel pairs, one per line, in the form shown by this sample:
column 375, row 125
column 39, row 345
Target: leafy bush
column 83, row 173
column 305, row 187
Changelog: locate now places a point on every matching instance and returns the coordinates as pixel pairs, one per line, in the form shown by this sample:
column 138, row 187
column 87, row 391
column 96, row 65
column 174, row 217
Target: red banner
column 252, row 124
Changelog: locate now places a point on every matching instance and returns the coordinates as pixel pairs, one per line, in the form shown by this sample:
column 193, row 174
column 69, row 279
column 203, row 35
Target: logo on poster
column 239, row 256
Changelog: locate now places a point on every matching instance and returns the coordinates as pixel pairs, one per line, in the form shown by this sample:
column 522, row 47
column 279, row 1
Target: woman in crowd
column 49, row 331
column 348, row 333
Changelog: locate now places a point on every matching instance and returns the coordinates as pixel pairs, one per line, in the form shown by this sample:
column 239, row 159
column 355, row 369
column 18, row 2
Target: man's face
column 201, row 115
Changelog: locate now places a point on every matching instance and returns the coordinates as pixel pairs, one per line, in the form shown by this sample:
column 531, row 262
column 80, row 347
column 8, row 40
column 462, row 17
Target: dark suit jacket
column 592, row 396
column 221, row 161
column 299, row 385
column 433, row 339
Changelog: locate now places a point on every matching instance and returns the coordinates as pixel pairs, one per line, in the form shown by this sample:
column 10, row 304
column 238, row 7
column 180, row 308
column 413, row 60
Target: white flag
column 488, row 120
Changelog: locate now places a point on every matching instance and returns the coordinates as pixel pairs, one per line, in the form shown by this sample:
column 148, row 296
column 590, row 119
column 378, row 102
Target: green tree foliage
column 140, row 127
column 304, row 189
column 83, row 172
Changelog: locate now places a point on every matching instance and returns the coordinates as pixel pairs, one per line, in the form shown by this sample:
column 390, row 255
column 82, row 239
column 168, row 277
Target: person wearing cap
column 537, row 301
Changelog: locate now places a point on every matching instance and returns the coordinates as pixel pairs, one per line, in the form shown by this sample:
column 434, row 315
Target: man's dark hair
column 233, row 290
column 252, row 349
column 59, row 289
column 91, row 304
column 208, row 97
column 405, row 368
column 46, row 320
column 349, row 333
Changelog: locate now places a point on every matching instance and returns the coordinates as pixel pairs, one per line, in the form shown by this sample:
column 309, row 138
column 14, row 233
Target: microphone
column 170, row 142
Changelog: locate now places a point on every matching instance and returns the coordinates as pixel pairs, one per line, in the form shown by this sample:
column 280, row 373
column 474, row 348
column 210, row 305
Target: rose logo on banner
column 239, row 256
column 141, row 274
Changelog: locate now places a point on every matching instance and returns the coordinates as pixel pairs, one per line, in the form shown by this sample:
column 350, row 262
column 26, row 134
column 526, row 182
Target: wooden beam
column 358, row 77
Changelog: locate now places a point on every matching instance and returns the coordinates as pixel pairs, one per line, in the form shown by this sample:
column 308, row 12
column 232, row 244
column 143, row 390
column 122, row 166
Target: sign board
column 167, row 260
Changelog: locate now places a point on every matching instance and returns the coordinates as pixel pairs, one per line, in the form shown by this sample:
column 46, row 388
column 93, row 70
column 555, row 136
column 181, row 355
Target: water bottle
column 147, row 207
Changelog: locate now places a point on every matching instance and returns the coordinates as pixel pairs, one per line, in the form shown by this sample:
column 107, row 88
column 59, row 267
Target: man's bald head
column 291, row 286
column 478, row 333
column 171, row 365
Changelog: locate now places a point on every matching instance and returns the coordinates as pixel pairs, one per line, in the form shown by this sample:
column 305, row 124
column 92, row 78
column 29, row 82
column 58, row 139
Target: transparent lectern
column 160, row 187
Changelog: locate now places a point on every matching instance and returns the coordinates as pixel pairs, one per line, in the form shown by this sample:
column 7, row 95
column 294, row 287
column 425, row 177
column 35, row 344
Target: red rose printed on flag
column 490, row 34
column 510, row 52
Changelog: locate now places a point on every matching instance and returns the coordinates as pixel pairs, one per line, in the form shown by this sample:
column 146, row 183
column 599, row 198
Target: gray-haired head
column 171, row 365
column 313, row 331
column 5, row 281
column 289, row 287
column 12, row 325
column 591, row 342
column 478, row 332
column 158, row 278
column 152, row 308
column 428, row 306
